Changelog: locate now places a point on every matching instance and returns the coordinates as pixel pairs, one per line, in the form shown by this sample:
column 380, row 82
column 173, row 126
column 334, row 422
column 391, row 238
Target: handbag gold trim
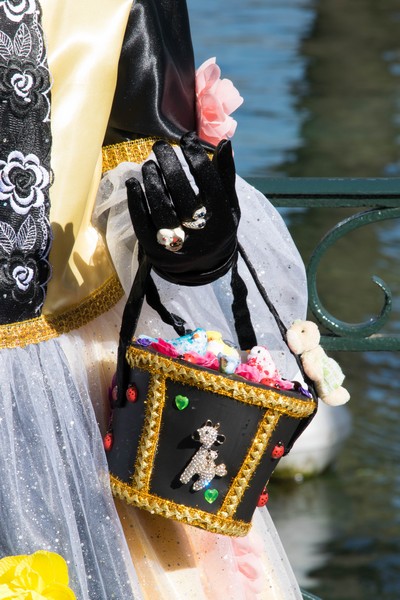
column 47, row 327
column 162, row 372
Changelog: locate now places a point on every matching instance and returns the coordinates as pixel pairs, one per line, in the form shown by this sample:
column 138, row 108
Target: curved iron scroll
column 382, row 197
column 349, row 336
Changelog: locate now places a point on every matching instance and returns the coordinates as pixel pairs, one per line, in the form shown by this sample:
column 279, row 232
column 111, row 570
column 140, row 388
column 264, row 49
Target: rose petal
column 250, row 567
column 218, row 129
column 42, row 574
column 212, row 109
column 229, row 96
column 59, row 592
column 216, row 99
column 5, row 591
column 203, row 75
column 252, row 542
column 7, row 566
column 208, row 360
column 248, row 372
column 51, row 566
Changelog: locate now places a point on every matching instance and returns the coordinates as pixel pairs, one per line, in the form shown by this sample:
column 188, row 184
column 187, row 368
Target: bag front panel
column 176, row 449
column 199, row 446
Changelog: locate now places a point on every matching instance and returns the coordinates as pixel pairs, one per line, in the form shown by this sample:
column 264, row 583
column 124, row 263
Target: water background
column 321, row 82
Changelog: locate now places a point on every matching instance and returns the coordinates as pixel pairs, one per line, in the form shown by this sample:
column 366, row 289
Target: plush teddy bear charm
column 303, row 338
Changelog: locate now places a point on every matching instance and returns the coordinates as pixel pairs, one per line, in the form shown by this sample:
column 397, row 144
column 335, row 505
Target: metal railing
column 378, row 200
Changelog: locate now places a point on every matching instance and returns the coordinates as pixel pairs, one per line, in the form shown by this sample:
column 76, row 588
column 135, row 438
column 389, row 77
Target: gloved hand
column 189, row 238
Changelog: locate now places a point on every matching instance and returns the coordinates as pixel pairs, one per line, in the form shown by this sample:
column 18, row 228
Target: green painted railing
column 308, row 596
column 378, row 200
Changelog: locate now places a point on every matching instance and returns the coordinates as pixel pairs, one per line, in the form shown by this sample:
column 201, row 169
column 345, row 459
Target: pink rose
column 216, row 99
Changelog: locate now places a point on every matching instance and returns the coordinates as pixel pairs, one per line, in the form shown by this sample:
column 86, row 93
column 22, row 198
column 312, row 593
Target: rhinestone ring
column 198, row 219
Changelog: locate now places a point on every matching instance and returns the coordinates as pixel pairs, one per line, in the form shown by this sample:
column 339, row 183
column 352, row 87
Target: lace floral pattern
column 22, row 181
column 25, row 174
column 16, row 9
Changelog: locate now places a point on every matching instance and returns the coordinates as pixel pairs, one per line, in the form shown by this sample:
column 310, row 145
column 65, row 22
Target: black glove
column 207, row 221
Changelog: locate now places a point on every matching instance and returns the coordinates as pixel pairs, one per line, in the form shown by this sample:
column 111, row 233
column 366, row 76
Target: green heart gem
column 211, row 495
column 181, row 402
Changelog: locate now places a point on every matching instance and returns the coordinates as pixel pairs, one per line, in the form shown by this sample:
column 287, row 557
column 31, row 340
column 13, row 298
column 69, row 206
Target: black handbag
column 190, row 443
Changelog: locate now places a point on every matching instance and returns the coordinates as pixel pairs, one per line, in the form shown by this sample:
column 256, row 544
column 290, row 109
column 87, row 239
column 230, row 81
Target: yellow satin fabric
column 83, row 41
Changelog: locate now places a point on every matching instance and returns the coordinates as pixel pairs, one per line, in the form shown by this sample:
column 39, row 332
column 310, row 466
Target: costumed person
column 76, row 76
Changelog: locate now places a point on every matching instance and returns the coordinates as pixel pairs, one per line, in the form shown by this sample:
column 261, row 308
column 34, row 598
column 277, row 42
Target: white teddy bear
column 303, row 338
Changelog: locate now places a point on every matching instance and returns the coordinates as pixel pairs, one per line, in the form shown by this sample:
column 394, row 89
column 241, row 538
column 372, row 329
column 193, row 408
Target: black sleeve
column 155, row 92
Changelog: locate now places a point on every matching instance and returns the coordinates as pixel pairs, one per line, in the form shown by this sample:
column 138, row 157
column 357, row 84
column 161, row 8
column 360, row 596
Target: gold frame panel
column 163, row 368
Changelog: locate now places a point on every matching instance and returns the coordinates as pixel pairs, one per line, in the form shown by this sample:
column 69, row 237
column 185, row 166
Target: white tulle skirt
column 55, row 494
column 54, row 491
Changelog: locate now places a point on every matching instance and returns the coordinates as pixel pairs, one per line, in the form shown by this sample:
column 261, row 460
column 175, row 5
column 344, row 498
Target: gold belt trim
column 135, row 151
column 47, row 327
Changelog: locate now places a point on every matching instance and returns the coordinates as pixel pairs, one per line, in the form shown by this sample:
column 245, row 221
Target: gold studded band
column 286, row 403
column 135, row 151
column 47, row 327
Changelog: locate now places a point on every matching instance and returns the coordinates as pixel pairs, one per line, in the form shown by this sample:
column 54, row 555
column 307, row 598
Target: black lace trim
column 25, row 175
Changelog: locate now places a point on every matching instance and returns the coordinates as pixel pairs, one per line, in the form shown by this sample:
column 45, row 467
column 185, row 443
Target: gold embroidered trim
column 149, row 438
column 220, row 384
column 193, row 516
column 250, row 464
column 47, row 327
column 135, row 151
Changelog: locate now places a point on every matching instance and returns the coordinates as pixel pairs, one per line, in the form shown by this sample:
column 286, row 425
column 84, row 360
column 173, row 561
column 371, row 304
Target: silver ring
column 198, row 219
column 171, row 239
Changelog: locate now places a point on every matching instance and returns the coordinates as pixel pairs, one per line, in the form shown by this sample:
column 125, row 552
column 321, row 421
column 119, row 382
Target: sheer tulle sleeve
column 267, row 242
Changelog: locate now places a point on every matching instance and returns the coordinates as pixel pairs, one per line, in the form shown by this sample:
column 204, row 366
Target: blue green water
column 321, row 83
column 256, row 44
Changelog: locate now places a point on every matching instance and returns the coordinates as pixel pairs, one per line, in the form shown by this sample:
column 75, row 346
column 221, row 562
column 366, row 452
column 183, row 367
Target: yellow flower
column 39, row 576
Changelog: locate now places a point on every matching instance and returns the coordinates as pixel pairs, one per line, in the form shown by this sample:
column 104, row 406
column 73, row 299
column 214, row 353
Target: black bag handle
column 263, row 293
column 144, row 286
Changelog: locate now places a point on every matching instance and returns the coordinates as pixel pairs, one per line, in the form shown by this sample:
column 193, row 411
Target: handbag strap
column 263, row 293
column 144, row 287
